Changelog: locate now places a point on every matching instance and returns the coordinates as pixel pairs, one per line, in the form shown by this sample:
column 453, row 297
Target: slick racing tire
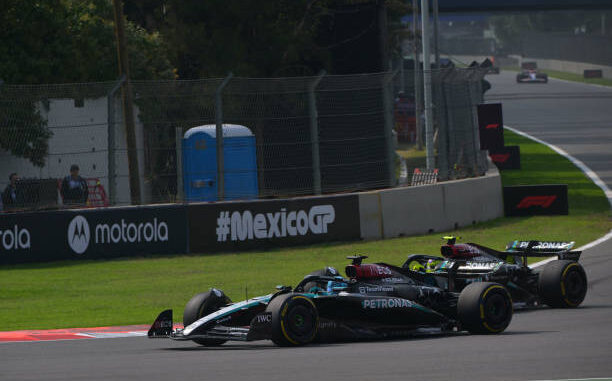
column 562, row 284
column 484, row 307
column 204, row 304
column 295, row 320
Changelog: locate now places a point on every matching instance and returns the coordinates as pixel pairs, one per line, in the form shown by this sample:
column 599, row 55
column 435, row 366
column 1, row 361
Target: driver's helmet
column 417, row 266
column 431, row 265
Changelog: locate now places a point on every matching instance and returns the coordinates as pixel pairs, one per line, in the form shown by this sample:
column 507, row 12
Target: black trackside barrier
column 490, row 126
column 508, row 157
column 272, row 223
column 593, row 73
column 529, row 200
column 92, row 233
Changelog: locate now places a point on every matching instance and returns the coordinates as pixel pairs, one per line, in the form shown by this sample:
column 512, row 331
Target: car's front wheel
column 204, row 304
column 295, row 320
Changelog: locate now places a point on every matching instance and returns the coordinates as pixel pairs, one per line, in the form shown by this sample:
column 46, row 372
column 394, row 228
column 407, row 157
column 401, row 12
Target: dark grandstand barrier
column 529, row 200
column 273, row 223
column 92, row 233
column 172, row 229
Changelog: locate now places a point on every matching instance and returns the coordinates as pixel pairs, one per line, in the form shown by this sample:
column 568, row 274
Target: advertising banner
column 508, row 157
column 92, row 233
column 529, row 200
column 491, row 126
column 272, row 223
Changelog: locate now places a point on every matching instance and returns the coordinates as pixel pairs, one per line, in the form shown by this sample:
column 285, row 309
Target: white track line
column 580, row 379
column 587, row 171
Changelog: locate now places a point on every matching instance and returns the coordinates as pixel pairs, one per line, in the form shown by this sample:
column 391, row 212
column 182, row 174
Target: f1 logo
column 500, row 157
column 543, row 201
column 491, row 126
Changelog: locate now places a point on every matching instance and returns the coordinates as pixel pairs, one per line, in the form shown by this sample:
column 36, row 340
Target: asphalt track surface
column 539, row 345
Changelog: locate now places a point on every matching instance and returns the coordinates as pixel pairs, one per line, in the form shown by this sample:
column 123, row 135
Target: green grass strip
column 133, row 291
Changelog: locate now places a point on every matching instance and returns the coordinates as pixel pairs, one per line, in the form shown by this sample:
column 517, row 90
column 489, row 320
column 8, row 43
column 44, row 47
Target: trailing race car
column 529, row 74
column 559, row 283
column 375, row 301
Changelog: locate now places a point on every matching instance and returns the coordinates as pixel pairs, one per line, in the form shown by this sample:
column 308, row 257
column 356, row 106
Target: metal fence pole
column 178, row 141
column 388, row 118
column 219, row 136
column 436, row 34
column 451, row 136
column 442, row 123
column 473, row 96
column 112, row 174
column 314, row 132
column 431, row 162
column 418, row 89
column 402, row 78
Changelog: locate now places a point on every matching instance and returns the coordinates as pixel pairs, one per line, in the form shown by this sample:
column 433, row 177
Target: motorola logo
column 78, row 234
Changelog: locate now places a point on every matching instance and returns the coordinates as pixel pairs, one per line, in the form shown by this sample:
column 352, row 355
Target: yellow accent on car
column 484, row 294
column 563, row 285
column 491, row 329
column 563, row 277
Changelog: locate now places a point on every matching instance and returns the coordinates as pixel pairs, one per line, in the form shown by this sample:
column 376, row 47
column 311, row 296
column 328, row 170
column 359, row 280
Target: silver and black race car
column 374, row 301
column 561, row 282
column 529, row 74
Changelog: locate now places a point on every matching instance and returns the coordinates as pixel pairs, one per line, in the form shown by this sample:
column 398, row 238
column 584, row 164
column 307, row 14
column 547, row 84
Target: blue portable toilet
column 200, row 163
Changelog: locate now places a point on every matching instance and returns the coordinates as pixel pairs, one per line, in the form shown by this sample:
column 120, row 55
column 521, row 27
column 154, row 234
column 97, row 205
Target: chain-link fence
column 455, row 96
column 305, row 135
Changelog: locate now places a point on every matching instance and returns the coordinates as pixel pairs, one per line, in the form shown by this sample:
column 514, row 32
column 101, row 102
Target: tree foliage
column 511, row 27
column 258, row 38
column 59, row 41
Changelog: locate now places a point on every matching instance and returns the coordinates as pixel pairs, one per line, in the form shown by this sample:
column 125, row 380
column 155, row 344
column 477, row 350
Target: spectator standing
column 74, row 187
column 10, row 196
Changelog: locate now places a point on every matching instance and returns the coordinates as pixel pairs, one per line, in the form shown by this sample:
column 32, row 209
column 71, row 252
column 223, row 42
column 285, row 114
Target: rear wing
column 562, row 250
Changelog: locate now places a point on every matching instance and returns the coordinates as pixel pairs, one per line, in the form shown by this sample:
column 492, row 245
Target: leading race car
column 559, row 283
column 529, row 74
column 374, row 301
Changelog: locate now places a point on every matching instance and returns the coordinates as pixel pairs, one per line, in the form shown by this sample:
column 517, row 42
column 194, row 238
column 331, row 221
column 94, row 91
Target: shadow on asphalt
column 241, row 347
column 526, row 310
column 266, row 345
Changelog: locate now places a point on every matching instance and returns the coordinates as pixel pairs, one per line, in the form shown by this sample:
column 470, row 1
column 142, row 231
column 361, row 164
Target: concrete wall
column 430, row 208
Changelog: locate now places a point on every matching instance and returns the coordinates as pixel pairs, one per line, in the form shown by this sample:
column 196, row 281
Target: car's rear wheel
column 295, row 320
column 563, row 284
column 204, row 304
column 484, row 307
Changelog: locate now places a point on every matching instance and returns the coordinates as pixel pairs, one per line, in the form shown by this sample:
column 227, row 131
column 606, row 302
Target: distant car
column 375, row 301
column 530, row 74
column 560, row 283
